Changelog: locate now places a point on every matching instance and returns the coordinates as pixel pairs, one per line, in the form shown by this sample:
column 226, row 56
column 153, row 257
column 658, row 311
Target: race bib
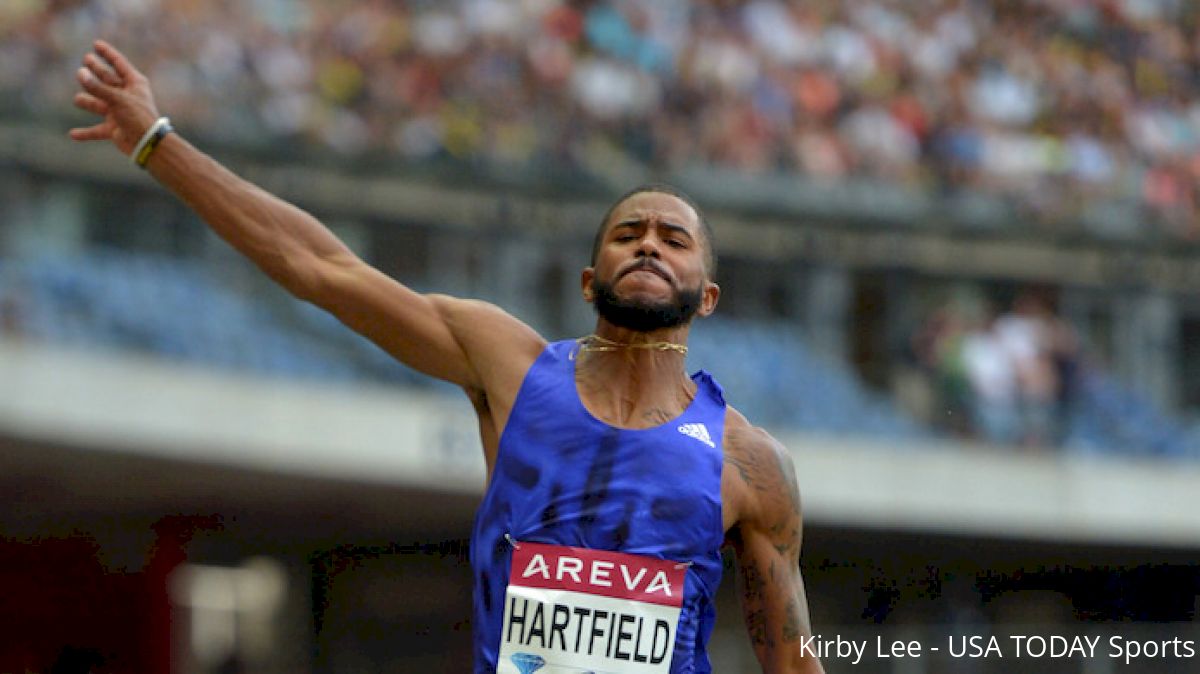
column 579, row 610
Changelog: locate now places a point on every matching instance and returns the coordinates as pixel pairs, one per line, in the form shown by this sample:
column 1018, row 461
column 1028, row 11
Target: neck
column 638, row 348
column 675, row 335
column 624, row 383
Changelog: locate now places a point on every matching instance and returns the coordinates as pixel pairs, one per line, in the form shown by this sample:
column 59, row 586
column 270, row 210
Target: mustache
column 648, row 264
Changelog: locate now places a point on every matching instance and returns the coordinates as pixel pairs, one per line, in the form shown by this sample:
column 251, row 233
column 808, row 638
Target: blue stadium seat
column 181, row 310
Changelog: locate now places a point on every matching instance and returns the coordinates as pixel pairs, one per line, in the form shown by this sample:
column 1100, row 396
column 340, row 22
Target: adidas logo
column 698, row 432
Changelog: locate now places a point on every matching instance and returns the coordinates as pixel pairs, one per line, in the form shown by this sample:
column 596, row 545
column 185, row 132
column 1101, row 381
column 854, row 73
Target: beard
column 645, row 316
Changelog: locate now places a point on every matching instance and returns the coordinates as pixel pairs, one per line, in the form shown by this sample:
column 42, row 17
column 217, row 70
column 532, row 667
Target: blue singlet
column 563, row 477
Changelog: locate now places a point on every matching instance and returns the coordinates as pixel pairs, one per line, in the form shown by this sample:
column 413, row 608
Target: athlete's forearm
column 283, row 240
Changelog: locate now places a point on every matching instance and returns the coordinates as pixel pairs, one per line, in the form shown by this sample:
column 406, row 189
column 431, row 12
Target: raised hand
column 118, row 92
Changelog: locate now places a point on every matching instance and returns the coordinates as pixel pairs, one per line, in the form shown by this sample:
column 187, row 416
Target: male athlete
column 613, row 477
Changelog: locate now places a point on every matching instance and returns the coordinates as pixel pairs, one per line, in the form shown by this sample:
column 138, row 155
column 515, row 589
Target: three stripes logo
column 698, row 432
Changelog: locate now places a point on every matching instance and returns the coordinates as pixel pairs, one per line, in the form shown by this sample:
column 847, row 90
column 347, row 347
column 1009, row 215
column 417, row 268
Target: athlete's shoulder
column 479, row 318
column 499, row 348
column 761, row 467
column 744, row 437
column 491, row 337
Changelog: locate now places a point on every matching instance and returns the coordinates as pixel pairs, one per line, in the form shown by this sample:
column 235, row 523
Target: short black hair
column 709, row 243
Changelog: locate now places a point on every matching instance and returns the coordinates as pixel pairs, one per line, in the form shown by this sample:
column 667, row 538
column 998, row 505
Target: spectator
column 1047, row 104
column 1025, row 334
column 1006, row 379
column 993, row 372
column 938, row 347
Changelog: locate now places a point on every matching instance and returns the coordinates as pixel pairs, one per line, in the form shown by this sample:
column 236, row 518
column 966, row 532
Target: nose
column 648, row 247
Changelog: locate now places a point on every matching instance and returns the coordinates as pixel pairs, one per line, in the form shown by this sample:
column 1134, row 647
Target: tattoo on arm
column 766, row 469
column 788, row 472
column 791, row 625
column 767, row 541
column 747, row 458
column 753, row 605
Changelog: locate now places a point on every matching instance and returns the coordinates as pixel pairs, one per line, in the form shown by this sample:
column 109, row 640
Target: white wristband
column 140, row 153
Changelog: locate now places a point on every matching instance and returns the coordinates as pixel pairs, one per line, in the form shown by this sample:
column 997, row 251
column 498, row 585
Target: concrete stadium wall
column 427, row 442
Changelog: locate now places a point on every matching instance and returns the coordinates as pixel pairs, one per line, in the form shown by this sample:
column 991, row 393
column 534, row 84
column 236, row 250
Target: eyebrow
column 634, row 222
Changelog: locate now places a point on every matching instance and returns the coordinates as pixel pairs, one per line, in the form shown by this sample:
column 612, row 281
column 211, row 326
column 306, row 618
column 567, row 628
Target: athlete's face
column 650, row 266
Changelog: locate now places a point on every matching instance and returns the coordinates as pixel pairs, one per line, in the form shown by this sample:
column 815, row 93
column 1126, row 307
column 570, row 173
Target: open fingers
column 101, row 131
column 85, row 101
column 102, row 70
column 92, row 85
column 121, row 64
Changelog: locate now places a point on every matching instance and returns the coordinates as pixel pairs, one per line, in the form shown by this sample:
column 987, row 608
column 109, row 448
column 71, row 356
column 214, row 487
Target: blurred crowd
column 1055, row 105
column 1007, row 378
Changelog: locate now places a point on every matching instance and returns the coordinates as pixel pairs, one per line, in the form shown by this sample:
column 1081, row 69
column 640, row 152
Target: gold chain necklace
column 595, row 342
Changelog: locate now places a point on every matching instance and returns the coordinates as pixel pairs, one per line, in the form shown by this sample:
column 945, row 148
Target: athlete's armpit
column 766, row 539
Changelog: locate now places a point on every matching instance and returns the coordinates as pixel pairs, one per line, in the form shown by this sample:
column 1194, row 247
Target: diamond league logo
column 528, row 663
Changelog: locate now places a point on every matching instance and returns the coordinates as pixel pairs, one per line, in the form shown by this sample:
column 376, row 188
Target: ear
column 708, row 299
column 585, row 283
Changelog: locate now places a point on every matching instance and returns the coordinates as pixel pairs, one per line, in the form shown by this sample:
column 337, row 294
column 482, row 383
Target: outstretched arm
column 766, row 539
column 438, row 335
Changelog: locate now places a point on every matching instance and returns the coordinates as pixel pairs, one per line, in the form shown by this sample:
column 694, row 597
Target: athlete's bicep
column 433, row 334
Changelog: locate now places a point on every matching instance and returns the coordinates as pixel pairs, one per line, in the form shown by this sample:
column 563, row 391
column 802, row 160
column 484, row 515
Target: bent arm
column 767, row 541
